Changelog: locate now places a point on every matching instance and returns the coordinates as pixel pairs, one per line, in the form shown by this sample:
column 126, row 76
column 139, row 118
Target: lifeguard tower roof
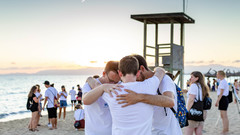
column 163, row 18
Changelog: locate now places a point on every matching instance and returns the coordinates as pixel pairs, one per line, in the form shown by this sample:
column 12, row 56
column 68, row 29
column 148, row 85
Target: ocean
column 15, row 88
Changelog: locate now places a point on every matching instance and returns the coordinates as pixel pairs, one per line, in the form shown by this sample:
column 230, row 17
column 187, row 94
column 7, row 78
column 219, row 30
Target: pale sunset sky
column 61, row 34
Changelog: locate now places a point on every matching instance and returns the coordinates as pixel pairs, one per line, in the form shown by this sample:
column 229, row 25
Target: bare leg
column 34, row 120
column 225, row 121
column 64, row 113
column 198, row 130
column 60, row 111
column 189, row 130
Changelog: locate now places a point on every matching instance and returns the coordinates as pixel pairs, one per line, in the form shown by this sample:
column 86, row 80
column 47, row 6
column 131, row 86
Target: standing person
column 164, row 120
column 73, row 96
column 50, row 94
column 222, row 101
column 79, row 95
column 98, row 120
column 38, row 94
column 135, row 119
column 34, row 109
column 214, row 85
column 79, row 117
column 198, row 89
column 208, row 83
column 236, row 85
column 63, row 102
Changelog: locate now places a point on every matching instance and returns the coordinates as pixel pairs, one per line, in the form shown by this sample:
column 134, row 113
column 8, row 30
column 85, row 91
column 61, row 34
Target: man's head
column 110, row 73
column 47, row 84
column 128, row 65
column 143, row 67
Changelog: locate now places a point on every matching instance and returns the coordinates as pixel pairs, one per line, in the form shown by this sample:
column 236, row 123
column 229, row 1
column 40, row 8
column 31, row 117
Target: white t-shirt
column 73, row 94
column 37, row 95
column 223, row 85
column 61, row 96
column 50, row 93
column 134, row 119
column 162, row 124
column 98, row 120
column 195, row 89
column 79, row 114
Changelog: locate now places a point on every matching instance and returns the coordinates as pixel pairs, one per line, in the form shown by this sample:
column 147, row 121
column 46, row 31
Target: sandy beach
column 19, row 127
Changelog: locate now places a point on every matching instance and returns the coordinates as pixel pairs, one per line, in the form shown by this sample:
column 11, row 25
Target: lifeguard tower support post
column 172, row 54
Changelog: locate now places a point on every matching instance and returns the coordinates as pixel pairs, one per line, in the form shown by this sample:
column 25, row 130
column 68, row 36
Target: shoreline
column 16, row 127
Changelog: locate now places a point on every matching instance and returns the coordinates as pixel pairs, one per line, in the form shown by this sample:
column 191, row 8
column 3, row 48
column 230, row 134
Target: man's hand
column 216, row 104
column 109, row 88
column 43, row 108
column 130, row 98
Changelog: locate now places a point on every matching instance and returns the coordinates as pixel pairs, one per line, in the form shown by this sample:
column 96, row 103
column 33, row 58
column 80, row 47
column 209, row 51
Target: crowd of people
column 130, row 99
column 52, row 96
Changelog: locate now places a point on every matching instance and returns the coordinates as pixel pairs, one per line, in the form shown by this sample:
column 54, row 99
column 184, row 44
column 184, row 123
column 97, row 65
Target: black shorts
column 73, row 101
column 223, row 103
column 52, row 112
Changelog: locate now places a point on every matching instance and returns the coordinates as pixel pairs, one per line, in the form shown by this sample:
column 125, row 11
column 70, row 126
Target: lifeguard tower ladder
column 172, row 55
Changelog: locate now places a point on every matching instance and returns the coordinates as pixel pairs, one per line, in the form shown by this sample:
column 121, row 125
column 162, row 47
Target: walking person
column 34, row 109
column 79, row 95
column 50, row 95
column 222, row 101
column 63, row 102
column 73, row 97
column 198, row 89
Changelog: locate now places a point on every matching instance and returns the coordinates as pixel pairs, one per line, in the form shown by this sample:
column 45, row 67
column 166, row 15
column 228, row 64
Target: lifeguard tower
column 170, row 54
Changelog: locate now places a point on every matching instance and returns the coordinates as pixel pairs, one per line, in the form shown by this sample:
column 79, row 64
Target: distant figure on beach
column 79, row 117
column 38, row 94
column 209, row 83
column 63, row 102
column 222, row 101
column 32, row 126
column 198, row 91
column 214, row 85
column 79, row 95
column 73, row 97
column 50, row 94
column 98, row 120
column 236, row 85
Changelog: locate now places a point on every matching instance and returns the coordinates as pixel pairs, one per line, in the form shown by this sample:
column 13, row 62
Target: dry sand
column 19, row 127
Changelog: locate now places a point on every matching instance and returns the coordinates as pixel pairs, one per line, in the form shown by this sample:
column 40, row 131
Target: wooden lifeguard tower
column 171, row 54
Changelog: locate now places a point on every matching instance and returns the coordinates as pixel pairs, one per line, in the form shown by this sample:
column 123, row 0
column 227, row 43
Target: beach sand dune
column 19, row 127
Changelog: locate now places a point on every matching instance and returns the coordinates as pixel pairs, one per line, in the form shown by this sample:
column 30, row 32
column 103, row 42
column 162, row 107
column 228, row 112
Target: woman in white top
column 63, row 102
column 38, row 94
column 222, row 101
column 198, row 86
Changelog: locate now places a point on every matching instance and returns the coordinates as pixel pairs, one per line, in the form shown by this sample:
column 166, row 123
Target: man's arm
column 93, row 83
column 45, row 101
column 165, row 100
column 93, row 95
column 159, row 73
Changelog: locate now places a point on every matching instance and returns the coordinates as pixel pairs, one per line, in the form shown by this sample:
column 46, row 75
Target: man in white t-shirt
column 163, row 122
column 135, row 119
column 73, row 96
column 98, row 120
column 50, row 94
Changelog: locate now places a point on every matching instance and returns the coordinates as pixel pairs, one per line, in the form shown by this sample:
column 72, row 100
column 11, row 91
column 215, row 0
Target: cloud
column 194, row 62
column 13, row 63
column 83, row 0
column 236, row 61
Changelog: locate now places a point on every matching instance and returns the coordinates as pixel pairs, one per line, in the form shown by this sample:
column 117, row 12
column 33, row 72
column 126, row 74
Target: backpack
column 181, row 113
column 29, row 103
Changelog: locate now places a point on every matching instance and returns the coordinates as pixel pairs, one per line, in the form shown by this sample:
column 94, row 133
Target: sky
column 60, row 34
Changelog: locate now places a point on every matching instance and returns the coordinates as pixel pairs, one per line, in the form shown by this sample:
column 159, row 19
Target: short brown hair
column 111, row 66
column 222, row 73
column 128, row 65
column 141, row 61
